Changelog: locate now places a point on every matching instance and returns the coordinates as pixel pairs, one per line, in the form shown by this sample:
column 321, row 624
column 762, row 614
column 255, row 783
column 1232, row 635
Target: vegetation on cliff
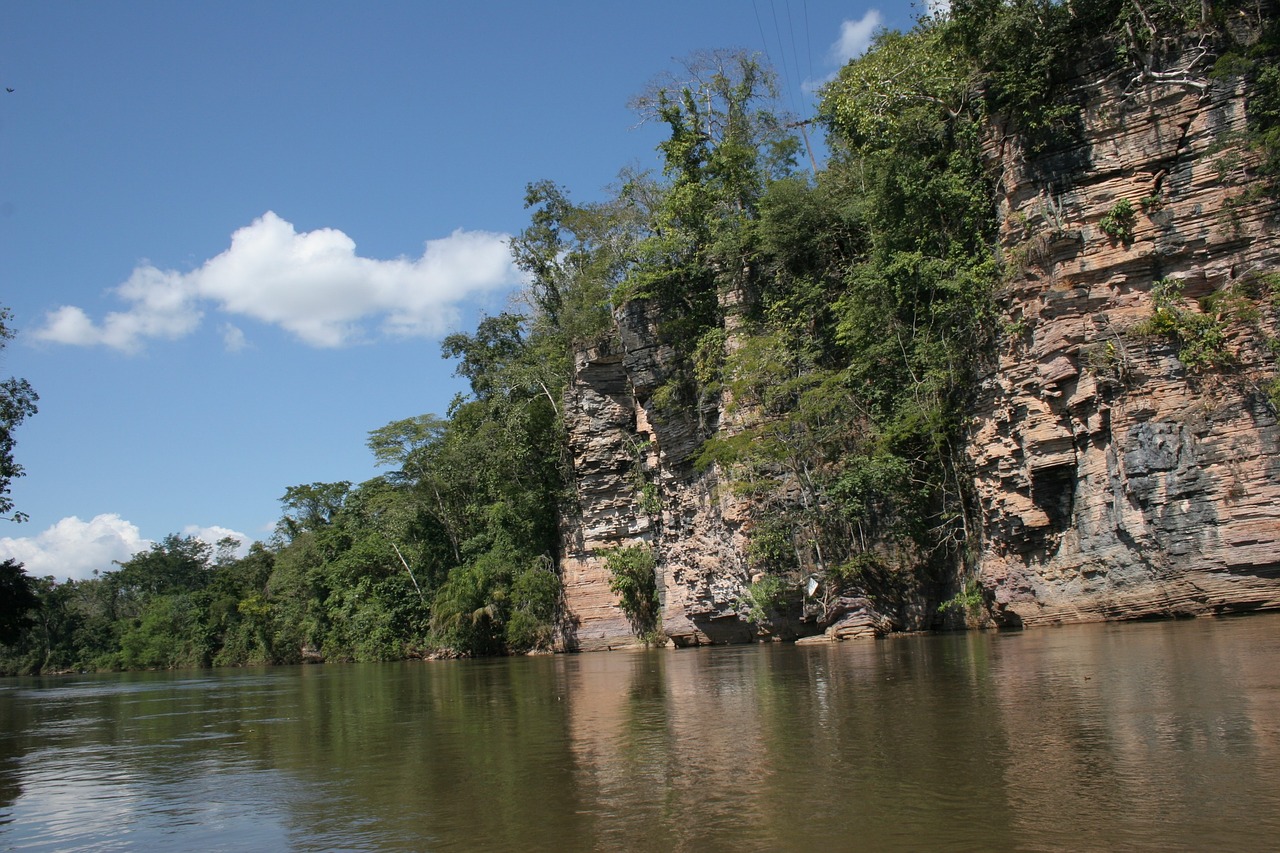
column 826, row 329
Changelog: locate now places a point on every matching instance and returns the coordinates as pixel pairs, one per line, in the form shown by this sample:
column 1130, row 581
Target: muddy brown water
column 1153, row 736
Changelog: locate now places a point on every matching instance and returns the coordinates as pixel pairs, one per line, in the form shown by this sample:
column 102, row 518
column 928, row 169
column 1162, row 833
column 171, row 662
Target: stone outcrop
column 636, row 484
column 604, row 441
column 1117, row 481
column 1114, row 479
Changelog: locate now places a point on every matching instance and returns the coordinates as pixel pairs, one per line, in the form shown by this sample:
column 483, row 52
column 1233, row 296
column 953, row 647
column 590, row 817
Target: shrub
column 633, row 580
column 763, row 597
column 1201, row 338
column 968, row 599
column 1118, row 222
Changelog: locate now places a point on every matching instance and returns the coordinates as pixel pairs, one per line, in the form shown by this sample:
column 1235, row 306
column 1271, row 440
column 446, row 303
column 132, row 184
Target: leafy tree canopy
column 17, row 403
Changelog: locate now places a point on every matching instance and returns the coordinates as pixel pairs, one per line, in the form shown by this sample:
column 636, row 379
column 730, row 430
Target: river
column 1155, row 736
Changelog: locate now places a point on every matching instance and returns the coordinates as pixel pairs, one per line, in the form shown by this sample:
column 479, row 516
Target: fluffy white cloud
column 855, row 38
column 75, row 549
column 215, row 534
column 312, row 284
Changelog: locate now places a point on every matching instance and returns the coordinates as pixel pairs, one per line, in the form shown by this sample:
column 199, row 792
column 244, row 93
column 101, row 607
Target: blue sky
column 232, row 234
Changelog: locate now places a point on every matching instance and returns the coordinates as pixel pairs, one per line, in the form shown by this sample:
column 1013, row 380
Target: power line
column 791, row 96
column 782, row 51
column 763, row 41
column 795, row 55
column 808, row 42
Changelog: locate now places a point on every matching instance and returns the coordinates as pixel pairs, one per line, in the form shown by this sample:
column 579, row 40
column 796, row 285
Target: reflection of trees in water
column 1094, row 736
column 473, row 752
column 10, row 787
column 780, row 747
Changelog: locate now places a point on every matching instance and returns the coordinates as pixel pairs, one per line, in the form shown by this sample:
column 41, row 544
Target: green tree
column 167, row 633
column 725, row 143
column 633, row 578
column 176, row 564
column 17, row 601
column 311, row 506
column 240, row 611
column 17, row 403
column 401, row 443
column 871, row 308
column 575, row 256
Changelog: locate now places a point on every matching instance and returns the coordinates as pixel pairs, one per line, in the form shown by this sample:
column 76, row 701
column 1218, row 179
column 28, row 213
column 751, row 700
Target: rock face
column 605, row 443
column 1117, row 480
column 636, row 484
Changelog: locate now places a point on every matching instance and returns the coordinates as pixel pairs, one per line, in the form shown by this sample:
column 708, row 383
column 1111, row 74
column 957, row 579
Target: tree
column 724, row 146
column 311, row 506
column 575, row 256
column 401, row 442
column 17, row 403
column 17, row 599
column 175, row 565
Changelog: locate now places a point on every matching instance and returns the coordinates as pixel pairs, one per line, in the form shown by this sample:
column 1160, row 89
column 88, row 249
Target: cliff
column 634, row 484
column 1122, row 441
column 1121, row 473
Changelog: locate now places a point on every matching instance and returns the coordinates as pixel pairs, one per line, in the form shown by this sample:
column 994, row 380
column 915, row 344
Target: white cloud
column 214, row 534
column 855, row 38
column 312, row 284
column 75, row 549
column 233, row 339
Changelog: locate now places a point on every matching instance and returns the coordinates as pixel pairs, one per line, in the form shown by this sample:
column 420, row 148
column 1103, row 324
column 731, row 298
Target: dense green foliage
column 17, row 403
column 17, row 592
column 17, row 589
column 834, row 322
column 453, row 551
column 1027, row 55
column 632, row 579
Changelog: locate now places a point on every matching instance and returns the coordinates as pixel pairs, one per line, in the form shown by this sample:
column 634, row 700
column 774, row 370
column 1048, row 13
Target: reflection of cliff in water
column 1093, row 737
column 1154, row 731
column 781, row 747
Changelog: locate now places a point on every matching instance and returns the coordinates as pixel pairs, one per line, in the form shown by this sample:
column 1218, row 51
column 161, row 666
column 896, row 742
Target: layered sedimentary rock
column 604, row 441
column 1116, row 479
column 636, row 484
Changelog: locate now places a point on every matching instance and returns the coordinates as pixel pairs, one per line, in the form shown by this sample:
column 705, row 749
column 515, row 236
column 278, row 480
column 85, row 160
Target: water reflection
column 1117, row 737
column 1156, row 735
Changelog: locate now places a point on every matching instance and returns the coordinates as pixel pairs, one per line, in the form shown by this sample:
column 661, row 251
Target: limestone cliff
column 635, row 485
column 1116, row 479
column 1118, row 475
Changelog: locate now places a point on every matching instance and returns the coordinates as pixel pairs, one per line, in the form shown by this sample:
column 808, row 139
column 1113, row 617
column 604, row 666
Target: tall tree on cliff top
column 725, row 144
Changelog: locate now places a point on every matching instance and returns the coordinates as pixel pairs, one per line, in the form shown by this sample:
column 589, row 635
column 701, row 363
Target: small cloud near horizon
column 312, row 284
column 72, row 549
